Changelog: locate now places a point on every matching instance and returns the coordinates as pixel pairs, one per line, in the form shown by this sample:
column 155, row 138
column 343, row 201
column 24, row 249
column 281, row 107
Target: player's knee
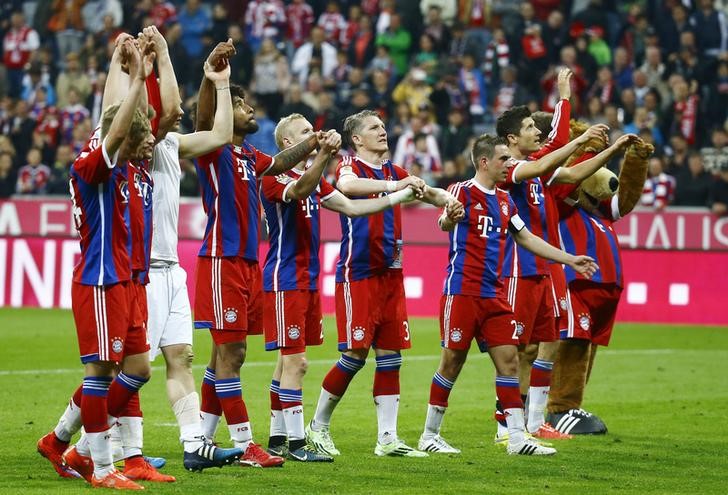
column 302, row 366
column 181, row 359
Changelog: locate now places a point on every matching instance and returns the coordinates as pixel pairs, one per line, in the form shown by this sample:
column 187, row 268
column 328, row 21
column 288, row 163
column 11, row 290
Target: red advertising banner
column 660, row 286
column 680, row 228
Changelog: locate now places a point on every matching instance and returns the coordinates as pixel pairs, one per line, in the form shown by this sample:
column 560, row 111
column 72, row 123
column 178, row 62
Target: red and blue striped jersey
column 294, row 228
column 100, row 196
column 139, row 220
column 229, row 181
column 592, row 234
column 478, row 241
column 372, row 244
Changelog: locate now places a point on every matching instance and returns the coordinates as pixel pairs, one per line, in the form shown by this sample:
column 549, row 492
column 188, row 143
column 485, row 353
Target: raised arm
column 582, row 264
column 307, row 183
column 559, row 134
column 201, row 142
column 576, row 174
column 117, row 81
column 206, row 96
column 140, row 66
column 530, row 169
column 168, row 88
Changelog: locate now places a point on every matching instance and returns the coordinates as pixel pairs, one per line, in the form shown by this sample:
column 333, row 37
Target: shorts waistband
column 161, row 264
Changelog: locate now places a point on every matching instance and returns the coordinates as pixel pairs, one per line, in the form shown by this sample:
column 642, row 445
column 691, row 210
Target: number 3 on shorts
column 406, row 331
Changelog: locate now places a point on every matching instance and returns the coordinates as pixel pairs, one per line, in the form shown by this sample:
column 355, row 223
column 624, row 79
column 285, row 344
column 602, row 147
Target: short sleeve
column 515, row 222
column 204, row 161
column 401, row 173
column 344, row 168
column 263, row 162
column 326, row 190
column 511, row 175
column 94, row 167
column 275, row 187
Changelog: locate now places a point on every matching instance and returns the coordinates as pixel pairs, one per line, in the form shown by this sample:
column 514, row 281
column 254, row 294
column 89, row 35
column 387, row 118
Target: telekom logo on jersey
column 535, row 193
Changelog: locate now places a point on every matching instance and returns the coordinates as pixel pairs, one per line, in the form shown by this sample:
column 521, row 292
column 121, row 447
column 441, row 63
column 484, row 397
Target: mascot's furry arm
column 632, row 175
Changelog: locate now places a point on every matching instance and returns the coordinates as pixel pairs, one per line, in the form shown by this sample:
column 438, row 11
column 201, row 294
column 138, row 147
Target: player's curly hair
column 511, row 120
column 484, row 146
column 353, row 124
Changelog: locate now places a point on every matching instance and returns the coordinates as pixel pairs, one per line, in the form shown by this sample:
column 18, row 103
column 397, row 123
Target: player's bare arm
column 117, row 79
column 206, row 96
column 351, row 185
column 563, row 82
column 576, row 174
column 362, row 207
column 532, row 169
column 290, row 157
column 582, row 264
column 201, row 142
column 140, row 66
column 168, row 88
column 307, row 183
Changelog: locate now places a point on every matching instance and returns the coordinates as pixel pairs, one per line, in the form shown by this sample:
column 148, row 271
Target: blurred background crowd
column 439, row 71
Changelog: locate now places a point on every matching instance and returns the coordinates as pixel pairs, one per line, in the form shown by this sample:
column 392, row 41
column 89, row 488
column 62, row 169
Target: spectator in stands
column 710, row 27
column 598, row 48
column 424, row 157
column 294, row 104
column 329, row 116
column 241, row 63
column 672, row 26
column 677, row 156
column 717, row 97
column 450, row 174
column 643, row 120
column 718, row 200
column 693, row 184
column 189, row 184
column 271, row 77
column 7, row 175
column 455, row 135
column 435, row 25
column 33, row 177
column 595, row 111
column 427, row 58
column 715, row 156
column 95, row 13
column 21, row 130
column 604, row 88
column 19, row 43
column 58, row 180
column 406, row 142
column 398, row 41
column 316, row 54
column 361, row 49
column 195, row 22
column 659, row 189
column 67, row 23
column 380, row 93
column 655, row 70
column 333, row 23
column 263, row 139
column 72, row 77
column 299, row 21
column 682, row 115
column 72, row 115
column 34, row 81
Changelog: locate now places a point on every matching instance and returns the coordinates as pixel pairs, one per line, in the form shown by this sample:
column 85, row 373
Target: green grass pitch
column 662, row 390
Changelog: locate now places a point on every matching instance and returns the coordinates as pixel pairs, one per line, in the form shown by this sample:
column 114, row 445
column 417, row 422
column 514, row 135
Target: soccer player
column 228, row 285
column 292, row 318
column 370, row 300
column 170, row 318
column 528, row 281
column 473, row 305
column 109, row 322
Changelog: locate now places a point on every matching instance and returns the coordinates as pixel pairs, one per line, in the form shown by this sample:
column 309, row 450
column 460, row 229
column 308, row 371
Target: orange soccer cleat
column 52, row 449
column 137, row 468
column 256, row 456
column 115, row 480
column 547, row 431
column 82, row 464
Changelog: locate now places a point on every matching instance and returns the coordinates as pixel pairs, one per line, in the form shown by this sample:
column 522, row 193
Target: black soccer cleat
column 577, row 422
column 308, row 454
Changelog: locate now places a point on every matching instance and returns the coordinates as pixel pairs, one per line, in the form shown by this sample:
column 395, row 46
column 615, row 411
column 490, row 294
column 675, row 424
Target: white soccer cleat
column 502, row 440
column 529, row 447
column 321, row 440
column 436, row 444
column 397, row 448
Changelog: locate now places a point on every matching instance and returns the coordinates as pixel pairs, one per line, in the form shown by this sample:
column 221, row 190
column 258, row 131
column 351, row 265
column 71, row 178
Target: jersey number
column 515, row 329
column 406, row 331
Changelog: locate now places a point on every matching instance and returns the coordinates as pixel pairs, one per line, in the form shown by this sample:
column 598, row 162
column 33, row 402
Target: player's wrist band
column 391, row 186
column 398, row 197
column 223, row 89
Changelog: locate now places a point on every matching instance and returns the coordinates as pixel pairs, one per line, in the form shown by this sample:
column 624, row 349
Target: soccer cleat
column 52, row 449
column 549, row 432
column 156, row 462
column 256, row 456
column 577, row 422
column 82, row 464
column 321, row 440
column 309, row 454
column 502, row 440
column 137, row 468
column 436, row 444
column 115, row 480
column 397, row 448
column 209, row 456
column 529, row 447
column 279, row 450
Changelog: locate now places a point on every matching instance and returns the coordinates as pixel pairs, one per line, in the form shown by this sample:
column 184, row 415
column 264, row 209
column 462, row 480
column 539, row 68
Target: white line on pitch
column 330, row 362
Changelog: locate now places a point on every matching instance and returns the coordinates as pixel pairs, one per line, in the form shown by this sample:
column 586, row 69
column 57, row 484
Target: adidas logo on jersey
column 478, row 206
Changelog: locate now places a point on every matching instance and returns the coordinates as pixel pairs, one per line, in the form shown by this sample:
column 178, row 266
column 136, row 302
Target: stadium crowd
column 439, row 72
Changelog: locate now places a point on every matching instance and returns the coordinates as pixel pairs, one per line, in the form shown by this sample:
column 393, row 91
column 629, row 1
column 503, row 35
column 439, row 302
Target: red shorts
column 372, row 312
column 594, row 308
column 488, row 320
column 110, row 321
column 560, row 296
column 228, row 298
column 292, row 319
column 533, row 306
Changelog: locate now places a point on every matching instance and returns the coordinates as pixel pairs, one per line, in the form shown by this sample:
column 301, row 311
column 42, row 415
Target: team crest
column 294, row 332
column 117, row 345
column 504, row 209
column 358, row 334
column 231, row 315
column 519, row 328
column 584, row 321
column 456, row 335
column 562, row 303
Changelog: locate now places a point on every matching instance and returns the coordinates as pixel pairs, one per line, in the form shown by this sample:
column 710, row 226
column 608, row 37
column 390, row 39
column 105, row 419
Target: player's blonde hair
column 282, row 128
column 139, row 128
